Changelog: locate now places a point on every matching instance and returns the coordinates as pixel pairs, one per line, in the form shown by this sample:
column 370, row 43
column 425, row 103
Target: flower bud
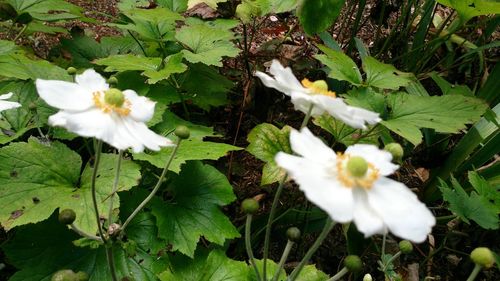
column 353, row 263
column 182, row 132
column 81, row 276
column 367, row 277
column 114, row 229
column 114, row 97
column 405, row 247
column 293, row 234
column 357, row 166
column 112, row 80
column 483, row 257
column 63, row 275
column 67, row 216
column 321, row 85
column 250, row 206
column 71, row 70
column 396, row 150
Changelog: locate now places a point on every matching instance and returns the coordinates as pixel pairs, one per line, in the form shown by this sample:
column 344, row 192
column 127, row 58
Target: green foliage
column 265, row 141
column 383, row 76
column 341, row 132
column 16, row 65
column 152, row 24
column 481, row 205
column 37, row 178
column 309, row 10
column 211, row 3
column 46, row 10
column 446, row 114
column 214, row 266
column 178, row 6
column 198, row 193
column 248, row 9
column 341, row 66
column 472, row 8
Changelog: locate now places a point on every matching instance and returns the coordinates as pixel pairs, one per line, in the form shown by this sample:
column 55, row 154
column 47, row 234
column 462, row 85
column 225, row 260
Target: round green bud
column 67, row 216
column 353, row 263
column 114, row 97
column 250, row 206
column 320, row 84
column 182, row 132
column 396, row 150
column 367, row 277
column 71, row 70
column 405, row 247
column 293, row 234
column 357, row 166
column 112, row 80
column 482, row 256
column 82, row 276
column 64, row 275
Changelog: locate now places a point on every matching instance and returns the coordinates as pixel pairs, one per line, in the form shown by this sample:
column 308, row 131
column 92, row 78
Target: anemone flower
column 90, row 108
column 352, row 186
column 306, row 94
column 4, row 105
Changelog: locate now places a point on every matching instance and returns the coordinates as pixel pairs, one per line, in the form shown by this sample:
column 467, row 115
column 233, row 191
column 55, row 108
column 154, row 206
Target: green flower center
column 114, row 97
column 357, row 166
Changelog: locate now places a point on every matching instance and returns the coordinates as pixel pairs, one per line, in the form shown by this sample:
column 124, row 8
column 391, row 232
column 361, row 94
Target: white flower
column 4, row 105
column 353, row 187
column 90, row 108
column 315, row 93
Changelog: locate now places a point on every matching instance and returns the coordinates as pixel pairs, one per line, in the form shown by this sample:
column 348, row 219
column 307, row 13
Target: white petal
column 284, row 75
column 64, row 95
column 4, row 105
column 91, row 123
column 141, row 136
column 319, row 188
column 302, row 102
column 311, row 147
column 402, row 212
column 366, row 219
column 352, row 116
column 6, row 96
column 91, row 81
column 381, row 159
column 142, row 109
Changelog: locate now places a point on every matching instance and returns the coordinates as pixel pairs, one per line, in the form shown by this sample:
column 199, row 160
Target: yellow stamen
column 123, row 110
column 315, row 89
column 345, row 177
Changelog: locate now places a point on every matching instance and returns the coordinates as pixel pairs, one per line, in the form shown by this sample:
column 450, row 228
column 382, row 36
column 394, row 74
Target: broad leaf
column 214, row 267
column 311, row 273
column 20, row 67
column 178, row 6
column 198, row 193
column 254, row 8
column 341, row 132
column 384, row 76
column 308, row 14
column 468, row 9
column 470, row 207
column 265, row 141
column 211, row 3
column 271, row 268
column 206, row 44
column 445, row 114
column 171, row 121
column 39, row 250
column 341, row 66
column 47, row 10
column 36, row 179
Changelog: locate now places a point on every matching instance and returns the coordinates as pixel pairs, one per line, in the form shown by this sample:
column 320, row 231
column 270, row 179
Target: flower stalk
column 339, row 274
column 474, row 273
column 93, row 189
column 284, row 257
column 248, row 245
column 115, row 186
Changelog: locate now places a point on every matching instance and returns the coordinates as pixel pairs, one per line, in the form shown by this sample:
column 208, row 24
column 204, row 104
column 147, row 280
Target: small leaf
column 384, row 76
column 311, row 273
column 468, row 9
column 194, row 211
column 211, row 3
column 341, row 132
column 309, row 10
column 341, row 66
column 265, row 141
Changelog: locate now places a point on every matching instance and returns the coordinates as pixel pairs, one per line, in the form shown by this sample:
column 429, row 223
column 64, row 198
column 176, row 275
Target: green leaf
column 20, row 67
column 445, row 114
column 271, row 268
column 178, row 6
column 39, row 250
column 311, row 273
column 198, row 193
column 172, row 64
column 384, row 76
column 7, row 47
column 254, row 8
column 342, row 132
column 489, row 193
column 47, row 10
column 468, row 9
column 214, row 267
column 366, row 98
column 37, row 178
column 206, row 44
column 265, row 141
column 172, row 121
column 469, row 207
column 152, row 24
column 309, row 10
column 191, row 149
column 211, row 3
column 341, row 66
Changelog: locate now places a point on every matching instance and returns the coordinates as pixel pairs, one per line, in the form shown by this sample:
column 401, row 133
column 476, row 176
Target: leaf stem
column 115, row 186
column 111, row 260
column 155, row 189
column 284, row 256
column 248, row 245
column 84, row 234
column 307, row 117
column 339, row 274
column 93, row 188
column 324, row 233
column 474, row 273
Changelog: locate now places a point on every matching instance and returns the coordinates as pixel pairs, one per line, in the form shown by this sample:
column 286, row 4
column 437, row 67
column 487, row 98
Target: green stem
column 248, row 245
column 115, row 186
column 155, row 189
column 393, row 258
column 270, row 223
column 383, row 247
column 286, row 252
column 93, row 188
column 339, row 274
column 307, row 117
column 20, row 32
column 324, row 233
column 84, row 234
column 111, row 261
column 474, row 273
